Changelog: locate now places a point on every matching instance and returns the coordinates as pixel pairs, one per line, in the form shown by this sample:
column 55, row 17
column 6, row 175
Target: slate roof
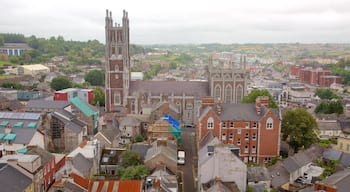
column 129, row 121
column 82, row 164
column 328, row 125
column 141, row 149
column 239, row 112
column 44, row 155
column 332, row 154
column 46, row 104
column 345, row 126
column 110, row 132
column 279, row 175
column 345, row 159
column 218, row 187
column 209, row 136
column 340, row 180
column 197, row 89
column 12, row 180
column 23, row 135
column 170, row 151
column 257, row 174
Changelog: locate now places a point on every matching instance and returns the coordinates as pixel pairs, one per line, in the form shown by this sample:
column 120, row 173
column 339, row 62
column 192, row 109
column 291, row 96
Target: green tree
column 251, row 97
column 138, row 138
column 299, row 128
column 326, row 94
column 130, row 158
column 135, row 173
column 99, row 96
column 12, row 85
column 329, row 107
column 95, row 77
column 59, row 83
column 2, row 40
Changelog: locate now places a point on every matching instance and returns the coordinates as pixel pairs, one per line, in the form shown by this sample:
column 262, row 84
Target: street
column 190, row 168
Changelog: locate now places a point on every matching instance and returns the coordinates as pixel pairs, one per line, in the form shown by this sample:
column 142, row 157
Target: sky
column 183, row 21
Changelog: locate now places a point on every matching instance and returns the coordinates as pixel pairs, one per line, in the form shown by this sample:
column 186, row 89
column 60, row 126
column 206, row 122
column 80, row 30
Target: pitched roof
column 44, row 155
column 170, row 151
column 256, row 174
column 110, row 132
column 46, row 104
column 81, row 181
column 141, row 149
column 73, row 186
column 82, row 164
column 218, row 187
column 23, row 135
column 103, row 186
column 130, row 186
column 340, row 180
column 246, row 112
column 328, row 125
column 12, row 180
column 129, row 121
column 332, row 154
column 197, row 89
column 86, row 108
column 345, row 159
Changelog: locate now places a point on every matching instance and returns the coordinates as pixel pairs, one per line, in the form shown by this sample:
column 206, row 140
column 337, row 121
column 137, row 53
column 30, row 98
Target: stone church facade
column 225, row 82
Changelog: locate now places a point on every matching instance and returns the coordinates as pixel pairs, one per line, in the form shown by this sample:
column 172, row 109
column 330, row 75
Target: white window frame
column 117, row 97
column 253, row 149
column 246, row 149
column 239, row 131
column 223, row 137
column 231, row 137
column 210, row 123
column 254, row 136
column 269, row 123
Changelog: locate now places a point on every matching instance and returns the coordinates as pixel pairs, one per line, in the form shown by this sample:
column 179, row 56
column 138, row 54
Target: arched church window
column 217, row 93
column 239, row 94
column 228, row 94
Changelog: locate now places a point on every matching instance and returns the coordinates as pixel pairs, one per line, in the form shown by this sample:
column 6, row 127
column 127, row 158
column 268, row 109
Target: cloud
column 181, row 21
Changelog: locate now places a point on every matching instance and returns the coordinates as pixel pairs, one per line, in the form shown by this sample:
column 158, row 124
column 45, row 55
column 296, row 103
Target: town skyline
column 155, row 22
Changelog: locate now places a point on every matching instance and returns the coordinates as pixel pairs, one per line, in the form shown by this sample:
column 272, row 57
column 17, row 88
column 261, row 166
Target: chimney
column 161, row 142
column 219, row 107
column 207, row 101
column 258, row 105
column 264, row 100
column 166, row 108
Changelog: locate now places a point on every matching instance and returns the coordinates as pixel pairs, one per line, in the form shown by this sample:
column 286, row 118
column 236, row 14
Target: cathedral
column 226, row 83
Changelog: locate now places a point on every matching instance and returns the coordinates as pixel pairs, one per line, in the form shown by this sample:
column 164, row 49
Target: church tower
column 227, row 80
column 117, row 63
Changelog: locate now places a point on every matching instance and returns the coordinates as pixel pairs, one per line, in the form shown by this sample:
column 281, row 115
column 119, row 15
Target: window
column 238, row 141
column 269, row 123
column 223, row 137
column 223, row 124
column 232, row 125
column 228, row 94
column 247, row 125
column 117, row 99
column 246, row 149
column 253, row 149
column 116, row 68
column 210, row 123
column 239, row 131
column 254, row 136
column 189, row 106
column 217, row 93
column 116, row 76
column 231, row 136
column 255, row 125
column 239, row 94
column 246, row 136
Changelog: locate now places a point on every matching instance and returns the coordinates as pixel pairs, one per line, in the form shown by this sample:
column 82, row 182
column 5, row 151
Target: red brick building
column 255, row 128
column 314, row 75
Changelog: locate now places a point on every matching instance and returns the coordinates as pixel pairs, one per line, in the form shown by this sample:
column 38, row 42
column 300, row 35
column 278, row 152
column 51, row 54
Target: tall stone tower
column 117, row 63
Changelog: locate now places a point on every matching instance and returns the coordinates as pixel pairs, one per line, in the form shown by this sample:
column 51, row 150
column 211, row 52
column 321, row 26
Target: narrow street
column 189, row 169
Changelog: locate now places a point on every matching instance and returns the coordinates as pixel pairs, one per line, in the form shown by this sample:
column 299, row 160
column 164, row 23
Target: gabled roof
column 12, row 180
column 141, row 149
column 197, row 89
column 129, row 121
column 84, row 107
column 170, row 151
column 46, row 104
column 340, row 180
column 332, row 154
column 256, row 174
column 328, row 125
column 218, row 187
column 44, row 155
column 110, row 132
column 234, row 112
column 82, row 164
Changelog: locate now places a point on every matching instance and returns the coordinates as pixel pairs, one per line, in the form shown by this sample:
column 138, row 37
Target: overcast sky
column 184, row 21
